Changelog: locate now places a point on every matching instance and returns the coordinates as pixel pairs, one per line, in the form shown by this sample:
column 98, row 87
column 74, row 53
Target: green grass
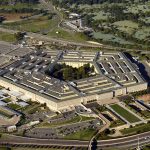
column 4, row 113
column 86, row 118
column 31, row 108
column 14, row 106
column 7, row 100
column 145, row 113
column 67, row 35
column 74, row 120
column 18, row 6
column 137, row 129
column 7, row 37
column 3, row 148
column 35, row 25
column 81, row 135
column 147, row 147
column 116, row 123
column 124, row 113
column 50, row 27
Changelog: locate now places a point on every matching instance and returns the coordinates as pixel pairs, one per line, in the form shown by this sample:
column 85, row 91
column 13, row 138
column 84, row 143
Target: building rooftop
column 112, row 71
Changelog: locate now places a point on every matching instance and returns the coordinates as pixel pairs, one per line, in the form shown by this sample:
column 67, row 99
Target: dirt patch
column 14, row 16
column 145, row 98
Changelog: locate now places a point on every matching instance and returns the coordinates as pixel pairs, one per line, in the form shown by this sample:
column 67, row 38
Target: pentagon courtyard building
column 114, row 75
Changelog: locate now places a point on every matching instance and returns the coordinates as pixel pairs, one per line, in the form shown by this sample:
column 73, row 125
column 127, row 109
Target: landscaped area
column 7, row 37
column 76, row 119
column 118, row 23
column 124, row 113
column 116, row 123
column 14, row 106
column 137, row 129
column 82, row 135
column 66, row 72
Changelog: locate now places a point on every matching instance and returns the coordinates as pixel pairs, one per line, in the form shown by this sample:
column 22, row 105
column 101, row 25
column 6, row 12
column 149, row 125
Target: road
column 105, row 126
column 124, row 142
column 66, row 42
column 50, row 39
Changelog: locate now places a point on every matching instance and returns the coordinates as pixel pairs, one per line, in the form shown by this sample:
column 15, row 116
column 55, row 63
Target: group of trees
column 116, row 13
column 63, row 3
column 23, row 10
column 66, row 72
column 9, row 2
column 20, row 6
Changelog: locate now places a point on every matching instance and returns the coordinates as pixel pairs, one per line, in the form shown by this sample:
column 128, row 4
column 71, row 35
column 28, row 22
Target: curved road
column 125, row 142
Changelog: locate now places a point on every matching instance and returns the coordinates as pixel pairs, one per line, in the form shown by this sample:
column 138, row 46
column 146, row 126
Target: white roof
column 24, row 97
column 2, row 103
column 23, row 104
column 13, row 93
column 1, row 92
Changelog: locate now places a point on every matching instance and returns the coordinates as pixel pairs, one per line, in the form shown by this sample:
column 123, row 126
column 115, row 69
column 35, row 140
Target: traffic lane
column 123, row 139
column 44, row 142
column 25, row 140
column 125, row 144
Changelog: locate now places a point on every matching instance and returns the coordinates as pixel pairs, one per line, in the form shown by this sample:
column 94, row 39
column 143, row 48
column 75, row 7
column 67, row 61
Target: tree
column 19, row 36
column 2, row 18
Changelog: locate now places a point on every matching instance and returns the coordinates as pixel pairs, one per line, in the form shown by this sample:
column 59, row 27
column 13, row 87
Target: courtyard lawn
column 82, row 135
column 124, row 113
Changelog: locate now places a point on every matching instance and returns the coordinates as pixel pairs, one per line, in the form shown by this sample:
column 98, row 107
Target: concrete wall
column 76, row 64
column 68, row 103
column 86, row 99
column 136, row 87
column 121, row 91
column 102, row 98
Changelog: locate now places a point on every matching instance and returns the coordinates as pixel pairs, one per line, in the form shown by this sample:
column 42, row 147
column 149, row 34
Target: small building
column 11, row 128
column 74, row 15
column 2, row 103
column 23, row 104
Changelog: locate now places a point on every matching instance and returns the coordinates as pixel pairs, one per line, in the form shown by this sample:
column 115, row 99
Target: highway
column 50, row 39
column 66, row 42
column 125, row 142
